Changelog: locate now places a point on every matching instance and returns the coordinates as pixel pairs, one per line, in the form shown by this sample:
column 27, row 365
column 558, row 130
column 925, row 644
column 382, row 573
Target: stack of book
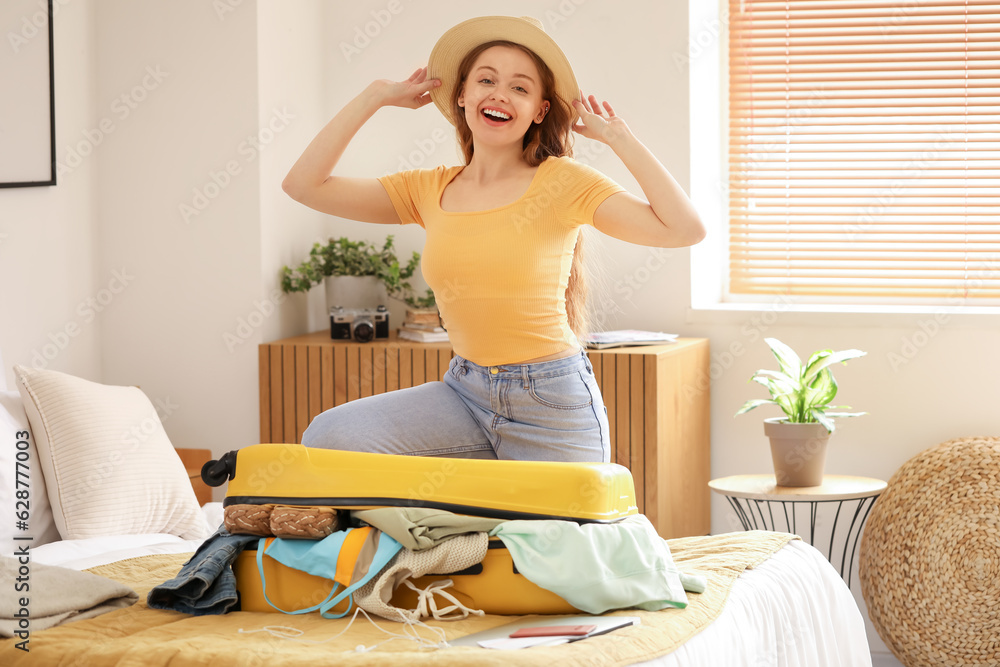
column 423, row 326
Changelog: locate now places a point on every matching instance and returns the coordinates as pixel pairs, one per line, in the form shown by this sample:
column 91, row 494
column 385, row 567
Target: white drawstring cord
column 294, row 634
column 427, row 605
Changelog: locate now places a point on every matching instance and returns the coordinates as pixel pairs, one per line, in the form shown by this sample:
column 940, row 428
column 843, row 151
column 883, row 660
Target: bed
column 125, row 511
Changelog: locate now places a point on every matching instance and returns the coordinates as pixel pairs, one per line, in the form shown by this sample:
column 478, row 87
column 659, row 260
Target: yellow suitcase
column 297, row 476
column 494, row 586
column 286, row 474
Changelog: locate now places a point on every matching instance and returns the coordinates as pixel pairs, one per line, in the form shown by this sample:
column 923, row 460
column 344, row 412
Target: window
column 864, row 150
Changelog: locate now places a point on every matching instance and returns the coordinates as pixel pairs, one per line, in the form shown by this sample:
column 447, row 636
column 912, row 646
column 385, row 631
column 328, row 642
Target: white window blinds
column 864, row 148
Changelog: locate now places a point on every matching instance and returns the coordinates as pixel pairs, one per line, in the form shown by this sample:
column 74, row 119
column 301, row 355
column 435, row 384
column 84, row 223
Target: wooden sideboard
column 657, row 399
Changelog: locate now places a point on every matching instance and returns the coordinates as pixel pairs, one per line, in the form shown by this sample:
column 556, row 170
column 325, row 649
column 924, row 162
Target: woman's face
column 502, row 96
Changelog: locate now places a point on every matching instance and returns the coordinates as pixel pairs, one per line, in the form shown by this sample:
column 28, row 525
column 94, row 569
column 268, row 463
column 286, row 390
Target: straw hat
column 527, row 31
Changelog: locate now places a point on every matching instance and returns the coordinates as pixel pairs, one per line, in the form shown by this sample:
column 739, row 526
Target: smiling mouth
column 495, row 116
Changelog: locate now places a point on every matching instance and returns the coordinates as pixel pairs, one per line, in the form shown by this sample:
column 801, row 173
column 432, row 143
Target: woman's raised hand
column 411, row 94
column 598, row 123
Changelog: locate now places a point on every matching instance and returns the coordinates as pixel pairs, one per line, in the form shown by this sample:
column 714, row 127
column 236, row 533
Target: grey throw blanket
column 54, row 595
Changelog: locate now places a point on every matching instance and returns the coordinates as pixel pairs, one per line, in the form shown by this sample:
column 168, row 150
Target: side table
column 754, row 498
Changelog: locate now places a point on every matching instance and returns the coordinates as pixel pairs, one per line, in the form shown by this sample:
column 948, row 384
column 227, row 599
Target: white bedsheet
column 95, row 551
column 793, row 610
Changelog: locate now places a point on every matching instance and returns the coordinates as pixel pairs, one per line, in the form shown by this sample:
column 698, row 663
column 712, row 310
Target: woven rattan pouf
column 930, row 557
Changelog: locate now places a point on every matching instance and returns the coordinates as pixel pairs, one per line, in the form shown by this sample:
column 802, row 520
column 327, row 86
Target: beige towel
column 53, row 595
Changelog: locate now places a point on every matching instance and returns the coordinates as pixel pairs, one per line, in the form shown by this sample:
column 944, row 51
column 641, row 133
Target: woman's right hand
column 411, row 94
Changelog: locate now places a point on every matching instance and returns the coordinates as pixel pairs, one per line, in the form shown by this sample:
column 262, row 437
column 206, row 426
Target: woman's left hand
column 600, row 124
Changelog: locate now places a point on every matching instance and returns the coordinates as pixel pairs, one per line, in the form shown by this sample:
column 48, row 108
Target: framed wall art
column 27, row 95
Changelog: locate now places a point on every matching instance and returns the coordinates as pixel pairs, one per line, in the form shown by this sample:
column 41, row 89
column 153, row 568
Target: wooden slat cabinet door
column 303, row 376
column 657, row 399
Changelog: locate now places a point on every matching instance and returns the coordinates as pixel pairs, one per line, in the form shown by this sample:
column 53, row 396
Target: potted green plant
column 396, row 279
column 804, row 392
column 357, row 274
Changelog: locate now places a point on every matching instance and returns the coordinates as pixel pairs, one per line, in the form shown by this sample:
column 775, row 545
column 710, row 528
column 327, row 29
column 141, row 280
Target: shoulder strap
column 261, row 548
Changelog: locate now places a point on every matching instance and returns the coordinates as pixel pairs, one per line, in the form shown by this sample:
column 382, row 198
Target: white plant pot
column 354, row 292
column 798, row 452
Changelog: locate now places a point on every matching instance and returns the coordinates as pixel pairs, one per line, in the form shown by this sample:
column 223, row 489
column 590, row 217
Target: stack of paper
column 626, row 338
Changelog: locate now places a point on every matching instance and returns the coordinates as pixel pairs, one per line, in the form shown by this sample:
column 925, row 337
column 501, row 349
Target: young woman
column 502, row 250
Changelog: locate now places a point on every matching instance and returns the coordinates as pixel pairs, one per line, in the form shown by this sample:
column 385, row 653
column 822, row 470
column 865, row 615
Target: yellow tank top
column 499, row 276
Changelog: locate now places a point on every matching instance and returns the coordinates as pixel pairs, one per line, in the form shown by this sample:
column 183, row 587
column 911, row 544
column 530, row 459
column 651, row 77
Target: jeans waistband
column 570, row 364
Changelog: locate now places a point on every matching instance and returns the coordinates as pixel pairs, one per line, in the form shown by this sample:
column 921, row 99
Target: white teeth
column 496, row 114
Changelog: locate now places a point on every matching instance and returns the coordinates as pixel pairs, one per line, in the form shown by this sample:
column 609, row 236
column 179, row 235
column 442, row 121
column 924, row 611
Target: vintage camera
column 361, row 324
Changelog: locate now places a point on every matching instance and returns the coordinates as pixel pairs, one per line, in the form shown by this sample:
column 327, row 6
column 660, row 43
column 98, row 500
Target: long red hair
column 550, row 138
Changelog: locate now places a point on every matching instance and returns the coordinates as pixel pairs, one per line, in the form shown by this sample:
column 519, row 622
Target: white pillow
column 109, row 465
column 19, row 463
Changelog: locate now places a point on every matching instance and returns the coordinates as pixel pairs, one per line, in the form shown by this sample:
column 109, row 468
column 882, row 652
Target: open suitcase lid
column 289, row 474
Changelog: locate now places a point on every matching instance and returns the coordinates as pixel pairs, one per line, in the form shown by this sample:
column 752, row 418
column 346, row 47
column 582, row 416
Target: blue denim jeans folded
column 206, row 583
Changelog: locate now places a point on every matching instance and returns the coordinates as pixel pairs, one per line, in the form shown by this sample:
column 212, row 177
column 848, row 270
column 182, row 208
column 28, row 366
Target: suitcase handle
column 217, row 473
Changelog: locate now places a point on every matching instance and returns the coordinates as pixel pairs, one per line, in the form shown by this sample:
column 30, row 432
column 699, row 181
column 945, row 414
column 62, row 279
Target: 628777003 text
column 22, row 554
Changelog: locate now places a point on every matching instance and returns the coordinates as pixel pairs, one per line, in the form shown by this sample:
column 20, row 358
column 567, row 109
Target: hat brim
column 447, row 55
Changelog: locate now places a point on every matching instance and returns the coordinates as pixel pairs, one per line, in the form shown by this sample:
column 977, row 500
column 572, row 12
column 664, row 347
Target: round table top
column 763, row 487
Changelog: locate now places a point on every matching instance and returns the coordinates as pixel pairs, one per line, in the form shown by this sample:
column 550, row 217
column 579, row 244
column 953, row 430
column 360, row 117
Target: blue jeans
column 206, row 583
column 547, row 411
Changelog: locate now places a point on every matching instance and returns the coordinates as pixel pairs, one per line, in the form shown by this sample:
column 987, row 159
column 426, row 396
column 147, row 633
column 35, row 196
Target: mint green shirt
column 599, row 567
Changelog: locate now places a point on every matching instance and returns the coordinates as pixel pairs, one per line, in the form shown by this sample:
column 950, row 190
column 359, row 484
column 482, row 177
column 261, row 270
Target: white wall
column 48, row 267
column 292, row 64
column 191, row 73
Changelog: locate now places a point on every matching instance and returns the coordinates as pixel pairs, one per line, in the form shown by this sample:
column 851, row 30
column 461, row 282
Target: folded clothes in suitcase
column 282, row 479
column 294, row 475
column 493, row 586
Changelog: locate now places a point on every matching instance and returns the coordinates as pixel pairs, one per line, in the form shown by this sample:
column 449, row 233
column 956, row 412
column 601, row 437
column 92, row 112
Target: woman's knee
column 428, row 419
column 323, row 432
